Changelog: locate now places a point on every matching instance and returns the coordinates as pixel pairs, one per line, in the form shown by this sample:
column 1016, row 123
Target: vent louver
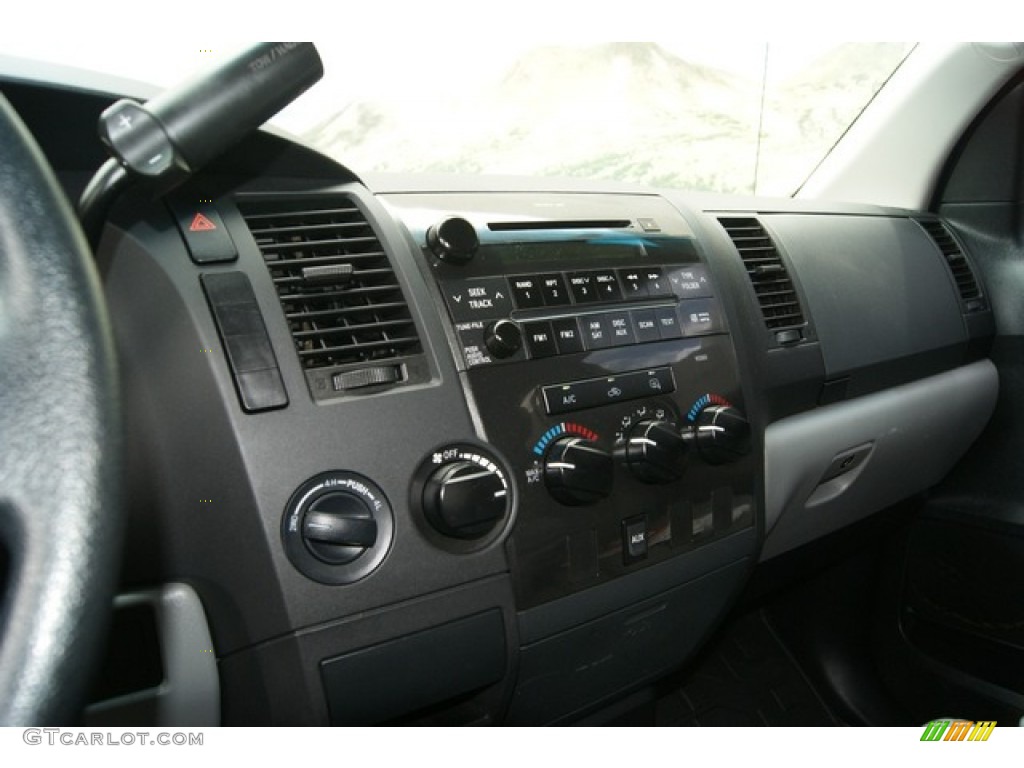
column 337, row 288
column 966, row 284
column 776, row 295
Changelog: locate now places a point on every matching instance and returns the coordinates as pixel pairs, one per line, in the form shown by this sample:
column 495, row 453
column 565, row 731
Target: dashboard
column 431, row 450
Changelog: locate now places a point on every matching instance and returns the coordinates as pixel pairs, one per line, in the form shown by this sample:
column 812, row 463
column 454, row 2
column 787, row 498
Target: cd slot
column 522, row 226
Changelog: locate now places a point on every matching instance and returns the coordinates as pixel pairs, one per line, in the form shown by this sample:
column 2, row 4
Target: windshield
column 710, row 116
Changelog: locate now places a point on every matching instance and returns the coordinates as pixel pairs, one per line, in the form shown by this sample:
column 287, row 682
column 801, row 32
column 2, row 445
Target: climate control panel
column 621, row 459
column 597, row 359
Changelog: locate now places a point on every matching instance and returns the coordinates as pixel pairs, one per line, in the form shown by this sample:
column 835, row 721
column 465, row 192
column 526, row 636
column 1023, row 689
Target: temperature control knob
column 453, row 240
column 722, row 434
column 655, row 452
column 503, row 338
column 578, row 471
column 464, row 499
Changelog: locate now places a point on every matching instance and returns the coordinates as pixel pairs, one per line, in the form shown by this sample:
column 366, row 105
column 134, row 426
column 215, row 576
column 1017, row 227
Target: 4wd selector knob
column 453, row 240
column 655, row 452
column 338, row 527
column 577, row 471
column 464, row 499
column 722, row 434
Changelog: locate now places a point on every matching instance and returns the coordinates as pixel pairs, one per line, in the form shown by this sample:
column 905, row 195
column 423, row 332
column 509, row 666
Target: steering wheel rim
column 60, row 525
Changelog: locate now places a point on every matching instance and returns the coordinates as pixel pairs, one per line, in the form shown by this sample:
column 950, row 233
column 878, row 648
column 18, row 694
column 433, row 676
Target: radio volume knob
column 503, row 338
column 578, row 471
column 453, row 240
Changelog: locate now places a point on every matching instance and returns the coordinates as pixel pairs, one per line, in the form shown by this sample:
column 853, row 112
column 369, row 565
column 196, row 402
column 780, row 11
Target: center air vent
column 966, row 284
column 339, row 293
column 776, row 295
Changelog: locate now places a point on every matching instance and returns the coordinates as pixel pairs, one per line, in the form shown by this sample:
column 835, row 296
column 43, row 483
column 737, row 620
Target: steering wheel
column 60, row 527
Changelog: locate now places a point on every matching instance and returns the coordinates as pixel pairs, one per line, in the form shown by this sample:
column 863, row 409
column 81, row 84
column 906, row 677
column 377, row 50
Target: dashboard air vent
column 339, row 293
column 966, row 284
column 780, row 305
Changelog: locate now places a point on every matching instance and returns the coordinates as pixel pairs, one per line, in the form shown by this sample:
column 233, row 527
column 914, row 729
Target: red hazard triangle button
column 205, row 233
column 201, row 224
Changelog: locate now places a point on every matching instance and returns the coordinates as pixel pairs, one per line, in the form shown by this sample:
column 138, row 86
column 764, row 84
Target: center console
column 597, row 360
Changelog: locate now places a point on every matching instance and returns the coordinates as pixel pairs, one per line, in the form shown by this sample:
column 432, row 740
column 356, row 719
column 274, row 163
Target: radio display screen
column 600, row 251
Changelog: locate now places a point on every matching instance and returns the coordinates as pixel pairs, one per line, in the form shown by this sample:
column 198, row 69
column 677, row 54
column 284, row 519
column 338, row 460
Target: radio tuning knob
column 577, row 471
column 503, row 338
column 453, row 240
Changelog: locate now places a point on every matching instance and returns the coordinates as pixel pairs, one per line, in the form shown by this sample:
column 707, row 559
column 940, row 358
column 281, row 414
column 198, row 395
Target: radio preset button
column 656, row 282
column 553, row 290
column 526, row 291
column 607, row 286
column 634, row 284
column 583, row 287
column 540, row 340
column 567, row 335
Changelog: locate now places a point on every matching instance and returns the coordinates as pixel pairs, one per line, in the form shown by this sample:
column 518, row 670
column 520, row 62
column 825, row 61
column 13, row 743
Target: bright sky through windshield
column 681, row 114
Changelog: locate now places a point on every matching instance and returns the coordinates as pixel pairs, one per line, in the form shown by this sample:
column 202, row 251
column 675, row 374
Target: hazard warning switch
column 205, row 235
column 201, row 223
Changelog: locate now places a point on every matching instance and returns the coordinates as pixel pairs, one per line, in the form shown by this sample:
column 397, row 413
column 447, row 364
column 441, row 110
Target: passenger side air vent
column 776, row 295
column 343, row 303
column 966, row 284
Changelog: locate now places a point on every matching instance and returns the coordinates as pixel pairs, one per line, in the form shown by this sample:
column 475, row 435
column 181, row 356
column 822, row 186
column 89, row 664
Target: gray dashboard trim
column 559, row 615
column 916, row 432
column 190, row 692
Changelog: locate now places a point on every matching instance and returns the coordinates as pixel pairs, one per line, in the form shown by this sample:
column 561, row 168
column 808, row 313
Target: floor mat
column 746, row 678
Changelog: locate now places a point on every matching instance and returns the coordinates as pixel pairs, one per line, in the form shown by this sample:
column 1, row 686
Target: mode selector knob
column 464, row 499
column 453, row 240
column 578, row 471
column 655, row 452
column 722, row 434
column 339, row 527
column 503, row 338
